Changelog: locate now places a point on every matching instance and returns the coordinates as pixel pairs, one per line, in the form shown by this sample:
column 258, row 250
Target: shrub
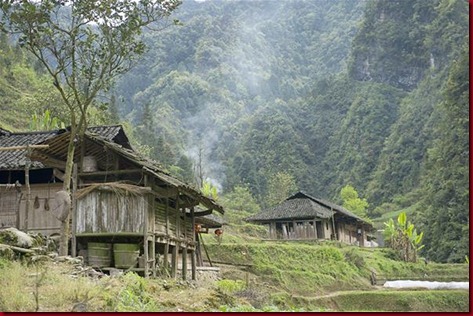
column 353, row 256
column 229, row 287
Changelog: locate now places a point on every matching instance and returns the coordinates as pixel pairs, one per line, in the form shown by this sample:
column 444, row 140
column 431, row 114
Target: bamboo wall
column 300, row 229
column 9, row 207
column 103, row 211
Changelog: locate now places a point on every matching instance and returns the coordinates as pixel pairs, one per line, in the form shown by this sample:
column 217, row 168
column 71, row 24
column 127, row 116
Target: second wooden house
column 304, row 217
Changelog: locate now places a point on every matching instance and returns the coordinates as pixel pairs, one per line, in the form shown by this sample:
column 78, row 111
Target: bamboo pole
column 145, row 230
column 24, row 147
column 28, row 188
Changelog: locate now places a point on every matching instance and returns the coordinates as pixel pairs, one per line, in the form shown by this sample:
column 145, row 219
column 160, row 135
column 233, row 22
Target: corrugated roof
column 16, row 159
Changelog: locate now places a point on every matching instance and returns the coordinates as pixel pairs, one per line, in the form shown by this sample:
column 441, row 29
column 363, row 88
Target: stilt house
column 120, row 198
column 303, row 217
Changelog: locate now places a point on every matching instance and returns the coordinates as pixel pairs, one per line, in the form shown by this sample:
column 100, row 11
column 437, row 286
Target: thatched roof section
column 298, row 208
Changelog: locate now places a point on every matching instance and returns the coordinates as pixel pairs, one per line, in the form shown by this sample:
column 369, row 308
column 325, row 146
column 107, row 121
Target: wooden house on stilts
column 304, row 217
column 127, row 212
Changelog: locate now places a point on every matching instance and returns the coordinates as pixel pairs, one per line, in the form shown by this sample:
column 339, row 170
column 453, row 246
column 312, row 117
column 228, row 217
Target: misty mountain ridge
column 325, row 92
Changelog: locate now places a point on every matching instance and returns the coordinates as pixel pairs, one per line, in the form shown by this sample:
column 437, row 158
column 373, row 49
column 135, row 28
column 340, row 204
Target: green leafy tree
column 239, row 203
column 352, row 202
column 280, row 186
column 83, row 45
column 446, row 185
column 241, row 199
column 209, row 190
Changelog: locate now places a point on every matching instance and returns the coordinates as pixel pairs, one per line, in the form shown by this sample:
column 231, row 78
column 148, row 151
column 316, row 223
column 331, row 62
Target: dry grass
column 119, row 188
column 56, row 289
column 60, row 291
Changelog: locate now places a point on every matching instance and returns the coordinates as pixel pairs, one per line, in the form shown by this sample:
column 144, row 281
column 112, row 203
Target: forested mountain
column 329, row 92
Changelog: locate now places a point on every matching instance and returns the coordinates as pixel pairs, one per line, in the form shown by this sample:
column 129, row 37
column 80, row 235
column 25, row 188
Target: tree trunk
column 65, row 227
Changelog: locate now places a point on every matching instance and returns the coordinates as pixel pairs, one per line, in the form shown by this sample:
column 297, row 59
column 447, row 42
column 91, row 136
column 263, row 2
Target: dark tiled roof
column 335, row 207
column 58, row 148
column 4, row 132
column 292, row 209
column 16, row 159
column 210, row 221
column 113, row 133
column 302, row 205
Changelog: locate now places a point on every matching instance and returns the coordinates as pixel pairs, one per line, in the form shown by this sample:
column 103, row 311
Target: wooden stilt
column 153, row 253
column 193, row 263
column 175, row 251
column 145, row 254
column 184, row 263
column 198, row 251
column 166, row 257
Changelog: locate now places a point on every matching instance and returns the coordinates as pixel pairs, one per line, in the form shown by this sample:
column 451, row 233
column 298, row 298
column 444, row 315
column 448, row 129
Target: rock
column 6, row 252
column 40, row 258
column 15, row 237
column 115, row 272
column 79, row 308
column 95, row 274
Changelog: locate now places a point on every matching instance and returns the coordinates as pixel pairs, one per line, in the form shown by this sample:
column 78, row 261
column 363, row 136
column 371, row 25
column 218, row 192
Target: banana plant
column 403, row 237
column 45, row 122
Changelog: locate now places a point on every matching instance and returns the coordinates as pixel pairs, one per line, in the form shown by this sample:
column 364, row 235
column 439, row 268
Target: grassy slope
column 284, row 277
column 302, row 275
column 397, row 301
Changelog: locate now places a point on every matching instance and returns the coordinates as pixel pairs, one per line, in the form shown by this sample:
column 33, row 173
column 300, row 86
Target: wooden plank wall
column 107, row 212
column 160, row 218
column 186, row 228
column 40, row 217
column 8, row 207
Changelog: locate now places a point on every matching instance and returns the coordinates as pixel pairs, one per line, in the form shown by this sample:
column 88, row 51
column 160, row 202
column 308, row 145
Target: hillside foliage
column 329, row 93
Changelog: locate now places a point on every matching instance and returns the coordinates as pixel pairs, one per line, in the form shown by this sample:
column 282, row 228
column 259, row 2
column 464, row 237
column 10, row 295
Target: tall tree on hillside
column 445, row 212
column 83, row 45
column 280, row 186
column 352, row 202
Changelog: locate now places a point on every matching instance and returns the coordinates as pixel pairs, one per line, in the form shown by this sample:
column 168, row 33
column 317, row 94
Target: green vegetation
column 327, row 93
column 403, row 238
column 262, row 276
column 352, row 202
column 309, row 269
column 398, row 301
